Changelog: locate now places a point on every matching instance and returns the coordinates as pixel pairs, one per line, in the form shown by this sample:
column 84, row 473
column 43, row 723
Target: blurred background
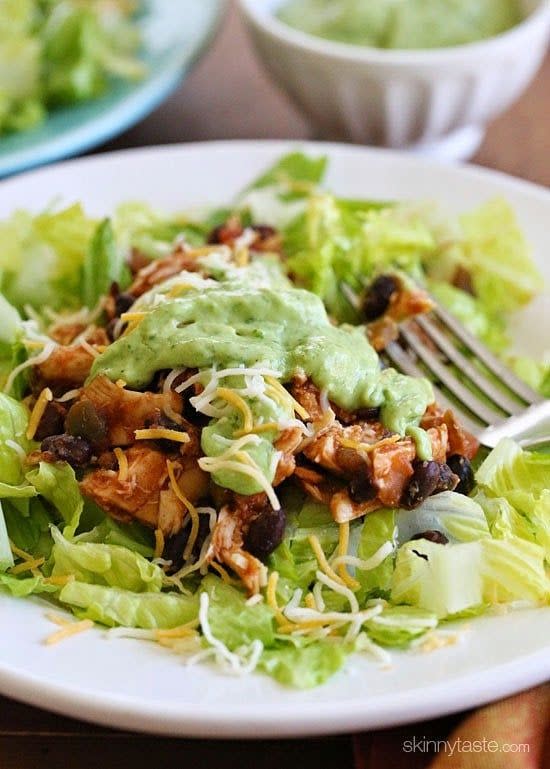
column 230, row 96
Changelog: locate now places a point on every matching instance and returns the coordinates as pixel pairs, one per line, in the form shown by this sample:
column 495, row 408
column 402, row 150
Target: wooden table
column 228, row 96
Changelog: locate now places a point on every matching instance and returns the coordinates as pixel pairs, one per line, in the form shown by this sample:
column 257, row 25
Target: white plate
column 136, row 685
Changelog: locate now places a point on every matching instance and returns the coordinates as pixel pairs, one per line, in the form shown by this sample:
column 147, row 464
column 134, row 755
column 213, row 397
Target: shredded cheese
column 246, row 466
column 129, row 317
column 322, row 560
column 20, row 553
column 366, row 564
column 60, row 580
column 341, row 589
column 123, row 468
column 19, row 450
column 58, row 619
column 45, row 397
column 159, row 543
column 69, row 630
column 192, row 510
column 271, row 596
column 27, row 566
column 368, row 447
column 70, row 395
column 161, row 433
column 277, row 387
column 33, row 361
column 89, row 349
column 224, row 574
column 182, row 631
column 263, row 428
column 310, row 601
column 239, row 403
column 121, row 383
column 237, row 663
column 343, row 544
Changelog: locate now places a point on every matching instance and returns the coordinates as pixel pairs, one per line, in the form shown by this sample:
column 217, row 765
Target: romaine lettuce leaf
column 496, row 254
column 58, row 485
column 231, row 620
column 14, row 417
column 41, row 257
column 303, row 666
column 378, row 527
column 399, row 625
column 113, row 606
column 101, row 564
column 6, row 555
column 458, row 517
column 104, row 264
column 21, row 587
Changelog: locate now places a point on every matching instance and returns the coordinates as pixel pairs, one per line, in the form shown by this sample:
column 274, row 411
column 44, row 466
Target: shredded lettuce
column 58, row 485
column 303, row 666
column 113, row 606
column 101, row 564
column 399, row 625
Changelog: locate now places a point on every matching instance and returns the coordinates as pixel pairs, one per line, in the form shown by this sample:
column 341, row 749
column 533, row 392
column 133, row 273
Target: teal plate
column 174, row 33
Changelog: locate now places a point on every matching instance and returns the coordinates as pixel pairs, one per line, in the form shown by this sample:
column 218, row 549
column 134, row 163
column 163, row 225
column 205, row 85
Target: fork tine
column 448, row 348
column 447, row 377
column 493, row 364
column 400, row 360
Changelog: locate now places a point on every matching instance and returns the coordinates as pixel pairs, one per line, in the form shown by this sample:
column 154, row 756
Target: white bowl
column 435, row 101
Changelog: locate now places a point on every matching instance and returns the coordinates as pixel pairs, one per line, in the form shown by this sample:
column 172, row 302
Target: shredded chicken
column 460, row 441
column 227, row 544
column 160, row 270
column 137, row 497
column 126, row 411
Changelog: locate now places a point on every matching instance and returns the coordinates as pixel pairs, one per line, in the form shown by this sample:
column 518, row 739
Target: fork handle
column 530, row 428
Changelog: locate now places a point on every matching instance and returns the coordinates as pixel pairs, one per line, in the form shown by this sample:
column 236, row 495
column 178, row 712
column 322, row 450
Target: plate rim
column 130, row 712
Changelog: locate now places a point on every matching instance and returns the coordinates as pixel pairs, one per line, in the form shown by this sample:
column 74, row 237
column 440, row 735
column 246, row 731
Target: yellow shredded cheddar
column 27, row 566
column 179, row 632
column 343, row 543
column 235, row 400
column 69, row 630
column 128, row 317
column 276, row 387
column 120, row 383
column 193, row 514
column 20, row 553
column 161, row 433
column 223, row 574
column 263, row 428
column 271, row 596
column 159, row 543
column 61, row 579
column 310, row 601
column 322, row 560
column 122, row 460
column 367, row 447
column 38, row 412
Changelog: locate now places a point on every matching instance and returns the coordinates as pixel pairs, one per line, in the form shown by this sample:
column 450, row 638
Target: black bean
column 68, row 448
column 447, row 479
column 110, row 328
column 85, row 421
column 123, row 302
column 377, row 298
column 422, row 484
column 432, row 536
column 462, row 468
column 264, row 231
column 265, row 533
column 369, row 414
column 51, row 422
column 175, row 545
column 360, row 490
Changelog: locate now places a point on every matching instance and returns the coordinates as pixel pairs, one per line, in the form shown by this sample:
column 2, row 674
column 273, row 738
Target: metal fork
column 489, row 399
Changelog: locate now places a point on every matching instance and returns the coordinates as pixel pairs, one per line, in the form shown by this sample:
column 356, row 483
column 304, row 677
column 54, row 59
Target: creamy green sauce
column 254, row 316
column 403, row 23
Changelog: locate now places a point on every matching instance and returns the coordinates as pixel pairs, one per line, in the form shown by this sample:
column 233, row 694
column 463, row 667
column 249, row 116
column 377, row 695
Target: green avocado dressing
column 264, row 322
column 402, row 24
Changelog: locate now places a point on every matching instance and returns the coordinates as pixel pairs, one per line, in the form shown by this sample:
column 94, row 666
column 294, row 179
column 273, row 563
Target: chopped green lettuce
column 303, row 666
column 113, row 606
column 231, row 620
column 58, row 485
column 399, row 625
column 377, row 529
column 101, row 564
column 14, row 417
column 103, row 264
